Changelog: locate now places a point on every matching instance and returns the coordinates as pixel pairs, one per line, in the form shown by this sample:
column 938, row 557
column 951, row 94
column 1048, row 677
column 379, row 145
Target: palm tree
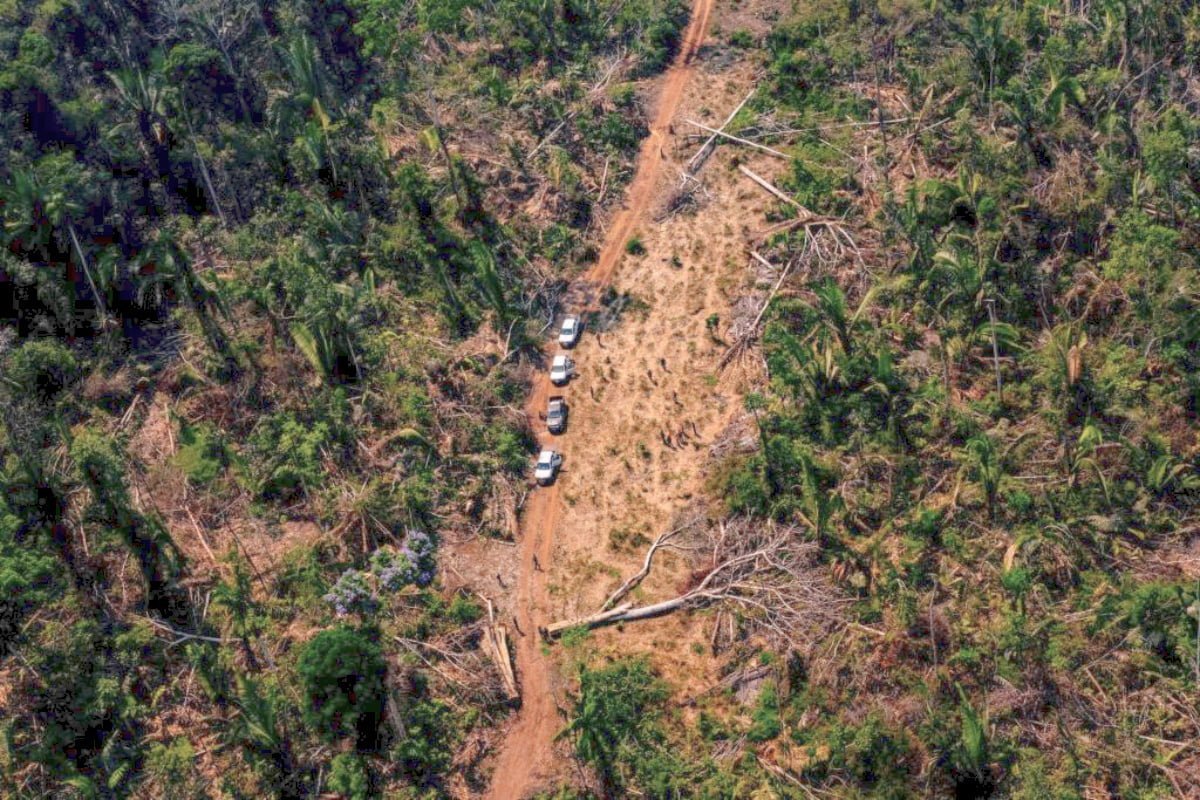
column 488, row 280
column 984, row 461
column 1060, row 90
column 989, row 48
column 145, row 95
column 258, row 727
column 40, row 206
column 98, row 465
column 756, row 403
column 1024, row 111
column 1080, row 455
column 237, row 598
column 835, row 312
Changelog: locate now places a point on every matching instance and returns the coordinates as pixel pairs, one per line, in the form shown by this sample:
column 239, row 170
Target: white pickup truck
column 568, row 335
column 562, row 369
column 546, row 468
column 556, row 414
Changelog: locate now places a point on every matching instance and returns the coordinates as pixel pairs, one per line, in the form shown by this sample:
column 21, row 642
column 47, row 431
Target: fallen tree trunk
column 770, row 187
column 624, row 613
column 557, row 629
column 738, row 139
column 811, row 223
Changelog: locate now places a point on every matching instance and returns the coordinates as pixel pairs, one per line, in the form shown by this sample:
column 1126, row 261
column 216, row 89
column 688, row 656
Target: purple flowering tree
column 357, row 591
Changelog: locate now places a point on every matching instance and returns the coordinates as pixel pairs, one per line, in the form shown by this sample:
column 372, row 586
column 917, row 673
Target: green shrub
column 40, row 369
column 615, row 716
column 1160, row 612
column 288, row 453
column 463, row 610
column 765, row 723
column 741, row 38
column 342, row 671
column 348, row 777
column 426, row 750
column 172, row 765
column 201, row 455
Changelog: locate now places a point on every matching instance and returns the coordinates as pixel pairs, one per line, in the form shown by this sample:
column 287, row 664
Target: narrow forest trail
column 527, row 754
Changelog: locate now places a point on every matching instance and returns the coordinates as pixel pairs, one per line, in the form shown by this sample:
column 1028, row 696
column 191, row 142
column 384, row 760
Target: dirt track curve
column 528, row 750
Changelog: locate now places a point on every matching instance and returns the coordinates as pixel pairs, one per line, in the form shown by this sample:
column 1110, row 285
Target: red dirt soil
column 528, row 750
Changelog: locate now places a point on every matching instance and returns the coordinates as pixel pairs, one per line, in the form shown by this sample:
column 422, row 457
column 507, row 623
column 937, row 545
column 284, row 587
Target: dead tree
column 764, row 571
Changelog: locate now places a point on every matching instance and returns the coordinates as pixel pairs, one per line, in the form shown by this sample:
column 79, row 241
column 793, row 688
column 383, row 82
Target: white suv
column 568, row 335
column 562, row 369
column 547, row 467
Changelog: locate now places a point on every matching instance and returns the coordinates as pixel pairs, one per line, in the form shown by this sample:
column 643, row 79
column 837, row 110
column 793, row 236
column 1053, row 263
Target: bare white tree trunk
column 87, row 272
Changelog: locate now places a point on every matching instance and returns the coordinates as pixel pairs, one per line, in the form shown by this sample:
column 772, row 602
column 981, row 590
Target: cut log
column 495, row 644
column 557, row 629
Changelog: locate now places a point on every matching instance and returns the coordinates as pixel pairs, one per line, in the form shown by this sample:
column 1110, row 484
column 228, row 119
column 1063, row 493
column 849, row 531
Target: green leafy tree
column 342, row 671
column 614, row 713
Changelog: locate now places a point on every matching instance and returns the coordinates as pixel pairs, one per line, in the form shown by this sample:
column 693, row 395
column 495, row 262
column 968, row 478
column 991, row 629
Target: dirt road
column 528, row 752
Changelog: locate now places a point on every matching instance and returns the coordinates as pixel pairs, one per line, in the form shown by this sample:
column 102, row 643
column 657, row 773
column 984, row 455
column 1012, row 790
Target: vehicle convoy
column 568, row 335
column 562, row 369
column 547, row 467
column 556, row 414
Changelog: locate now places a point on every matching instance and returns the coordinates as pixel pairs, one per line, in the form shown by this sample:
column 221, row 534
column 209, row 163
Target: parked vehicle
column 547, row 467
column 556, row 414
column 568, row 335
column 562, row 369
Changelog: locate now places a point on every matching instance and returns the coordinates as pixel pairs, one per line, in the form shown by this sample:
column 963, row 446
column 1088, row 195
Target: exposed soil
column 646, row 405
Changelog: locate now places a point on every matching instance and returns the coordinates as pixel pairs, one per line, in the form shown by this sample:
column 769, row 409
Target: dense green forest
column 328, row 234
column 310, row 226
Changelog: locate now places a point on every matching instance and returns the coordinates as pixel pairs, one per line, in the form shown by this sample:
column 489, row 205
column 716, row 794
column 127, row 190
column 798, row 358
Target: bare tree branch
column 764, row 570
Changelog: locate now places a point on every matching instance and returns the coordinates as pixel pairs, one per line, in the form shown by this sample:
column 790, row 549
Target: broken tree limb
column 697, row 160
column 810, row 222
column 751, row 333
column 201, row 537
column 783, row 273
column 739, row 139
column 628, row 586
column 770, row 187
